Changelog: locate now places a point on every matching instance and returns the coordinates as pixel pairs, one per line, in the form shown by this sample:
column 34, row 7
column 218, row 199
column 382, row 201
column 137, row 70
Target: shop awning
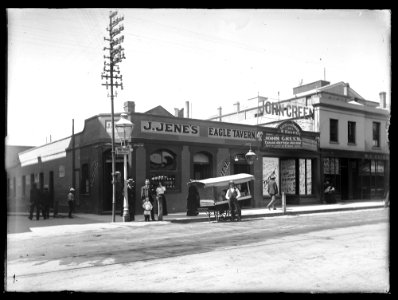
column 223, row 180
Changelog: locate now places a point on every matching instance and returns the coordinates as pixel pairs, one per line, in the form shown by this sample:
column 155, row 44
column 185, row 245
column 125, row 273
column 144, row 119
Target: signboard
column 287, row 136
column 288, row 110
column 122, row 151
column 230, row 133
column 169, row 128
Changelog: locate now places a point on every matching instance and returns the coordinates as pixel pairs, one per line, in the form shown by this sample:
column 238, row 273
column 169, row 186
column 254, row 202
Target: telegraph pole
column 113, row 79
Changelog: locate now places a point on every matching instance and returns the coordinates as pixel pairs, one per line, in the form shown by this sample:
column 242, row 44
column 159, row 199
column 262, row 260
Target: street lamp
column 124, row 129
column 250, row 156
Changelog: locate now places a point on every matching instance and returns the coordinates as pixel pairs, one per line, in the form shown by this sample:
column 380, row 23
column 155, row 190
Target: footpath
column 19, row 222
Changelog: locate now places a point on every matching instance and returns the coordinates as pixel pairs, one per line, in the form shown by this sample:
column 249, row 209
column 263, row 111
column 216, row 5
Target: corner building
column 171, row 149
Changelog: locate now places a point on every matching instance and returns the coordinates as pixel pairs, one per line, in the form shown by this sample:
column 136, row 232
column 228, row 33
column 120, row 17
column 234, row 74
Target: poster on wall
column 270, row 166
column 288, row 176
column 309, row 177
column 302, row 176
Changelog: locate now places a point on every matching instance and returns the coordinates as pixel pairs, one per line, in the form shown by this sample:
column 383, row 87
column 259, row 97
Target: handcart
column 212, row 191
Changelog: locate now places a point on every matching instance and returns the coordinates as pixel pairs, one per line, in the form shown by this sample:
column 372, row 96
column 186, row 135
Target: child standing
column 147, row 209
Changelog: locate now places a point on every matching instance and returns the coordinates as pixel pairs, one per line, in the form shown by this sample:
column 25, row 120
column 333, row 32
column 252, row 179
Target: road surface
column 325, row 252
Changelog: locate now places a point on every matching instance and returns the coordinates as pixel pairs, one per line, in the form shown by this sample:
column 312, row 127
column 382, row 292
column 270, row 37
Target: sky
column 209, row 57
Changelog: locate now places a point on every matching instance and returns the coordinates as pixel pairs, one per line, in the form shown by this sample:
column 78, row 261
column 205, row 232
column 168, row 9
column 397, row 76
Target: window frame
column 331, row 134
column 376, row 139
column 351, row 132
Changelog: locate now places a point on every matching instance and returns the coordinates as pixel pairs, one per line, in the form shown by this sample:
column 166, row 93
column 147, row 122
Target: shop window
column 288, row 176
column 201, row 166
column 376, row 134
column 334, row 127
column 305, row 176
column 163, row 168
column 351, row 132
column 331, row 171
column 85, row 180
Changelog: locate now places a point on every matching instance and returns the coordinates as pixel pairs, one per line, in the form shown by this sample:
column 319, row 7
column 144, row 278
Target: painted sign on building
column 287, row 136
column 169, row 128
column 288, row 110
column 231, row 133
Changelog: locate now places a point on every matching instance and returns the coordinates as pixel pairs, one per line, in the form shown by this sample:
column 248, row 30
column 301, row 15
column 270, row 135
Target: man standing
column 131, row 197
column 147, row 193
column 34, row 202
column 71, row 200
column 272, row 191
column 232, row 195
column 46, row 203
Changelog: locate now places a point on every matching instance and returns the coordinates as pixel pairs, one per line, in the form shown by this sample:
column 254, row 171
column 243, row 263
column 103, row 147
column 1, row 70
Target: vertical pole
column 113, row 127
column 284, row 202
column 73, row 154
column 126, row 216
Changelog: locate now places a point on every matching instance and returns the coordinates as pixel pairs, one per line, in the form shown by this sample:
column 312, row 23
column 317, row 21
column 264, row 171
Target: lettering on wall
column 169, row 128
column 231, row 133
column 288, row 110
column 287, row 136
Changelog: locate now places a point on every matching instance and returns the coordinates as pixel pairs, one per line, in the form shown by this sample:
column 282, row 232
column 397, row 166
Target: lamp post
column 124, row 129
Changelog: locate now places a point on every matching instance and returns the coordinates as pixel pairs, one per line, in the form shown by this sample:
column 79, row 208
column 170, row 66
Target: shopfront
column 292, row 155
column 356, row 175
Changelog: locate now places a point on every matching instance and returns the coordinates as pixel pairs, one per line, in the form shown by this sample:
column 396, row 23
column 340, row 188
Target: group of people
column 148, row 196
column 40, row 201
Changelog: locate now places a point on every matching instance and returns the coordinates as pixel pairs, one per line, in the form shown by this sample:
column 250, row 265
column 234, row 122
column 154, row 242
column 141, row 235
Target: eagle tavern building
column 324, row 132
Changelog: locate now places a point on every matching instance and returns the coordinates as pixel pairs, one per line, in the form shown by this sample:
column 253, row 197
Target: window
column 85, row 180
column 163, row 167
column 305, row 178
column 351, row 132
column 334, row 127
column 376, row 134
column 201, row 165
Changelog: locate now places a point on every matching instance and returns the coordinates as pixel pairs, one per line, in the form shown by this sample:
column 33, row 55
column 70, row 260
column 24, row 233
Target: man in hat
column 147, row 193
column 232, row 195
column 272, row 191
column 71, row 200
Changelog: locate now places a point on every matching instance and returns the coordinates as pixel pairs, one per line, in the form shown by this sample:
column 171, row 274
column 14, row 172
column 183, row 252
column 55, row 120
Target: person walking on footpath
column 272, row 191
column 147, row 209
column 46, row 203
column 232, row 195
column 71, row 200
column 147, row 193
column 34, row 202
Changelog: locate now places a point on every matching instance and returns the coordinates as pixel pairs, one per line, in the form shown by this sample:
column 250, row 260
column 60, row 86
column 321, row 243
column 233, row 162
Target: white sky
column 209, row 57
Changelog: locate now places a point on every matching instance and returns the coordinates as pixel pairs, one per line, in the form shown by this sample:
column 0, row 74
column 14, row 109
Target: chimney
column 346, row 87
column 383, row 103
column 187, row 109
column 220, row 113
column 176, row 112
column 237, row 106
column 129, row 107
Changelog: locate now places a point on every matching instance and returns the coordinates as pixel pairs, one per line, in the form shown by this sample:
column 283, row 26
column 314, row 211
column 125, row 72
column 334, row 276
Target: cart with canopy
column 212, row 193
